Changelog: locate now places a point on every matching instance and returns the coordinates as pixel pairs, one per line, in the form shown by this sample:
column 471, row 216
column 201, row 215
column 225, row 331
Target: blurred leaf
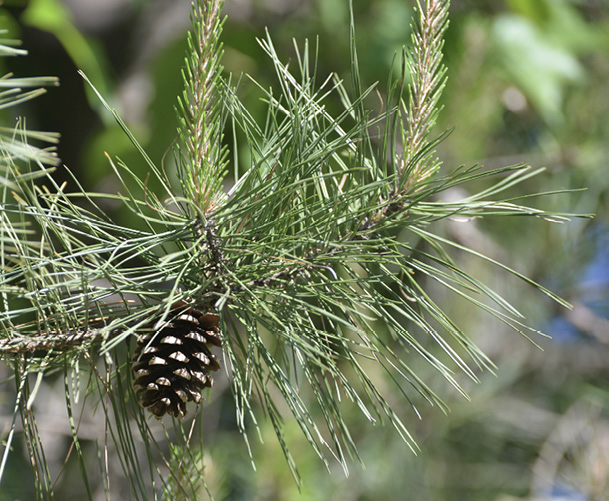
column 534, row 9
column 540, row 68
column 54, row 17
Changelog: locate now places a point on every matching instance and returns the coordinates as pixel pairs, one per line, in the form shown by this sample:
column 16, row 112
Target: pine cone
column 172, row 363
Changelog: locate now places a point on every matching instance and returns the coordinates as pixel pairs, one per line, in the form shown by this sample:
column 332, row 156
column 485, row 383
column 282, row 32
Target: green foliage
column 14, row 142
column 322, row 255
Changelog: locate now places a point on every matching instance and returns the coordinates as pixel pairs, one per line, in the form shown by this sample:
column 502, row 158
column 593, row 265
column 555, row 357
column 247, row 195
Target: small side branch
column 57, row 342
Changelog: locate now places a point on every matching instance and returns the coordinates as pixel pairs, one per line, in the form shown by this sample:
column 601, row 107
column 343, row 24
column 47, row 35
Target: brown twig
column 55, row 341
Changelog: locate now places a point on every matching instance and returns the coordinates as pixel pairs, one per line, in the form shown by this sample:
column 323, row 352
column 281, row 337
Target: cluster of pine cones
column 172, row 360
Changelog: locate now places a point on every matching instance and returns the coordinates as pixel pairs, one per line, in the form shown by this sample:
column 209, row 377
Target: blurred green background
column 528, row 82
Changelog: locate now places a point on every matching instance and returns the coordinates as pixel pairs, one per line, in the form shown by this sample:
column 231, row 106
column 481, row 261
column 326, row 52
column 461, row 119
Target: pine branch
column 300, row 268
